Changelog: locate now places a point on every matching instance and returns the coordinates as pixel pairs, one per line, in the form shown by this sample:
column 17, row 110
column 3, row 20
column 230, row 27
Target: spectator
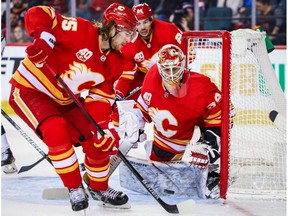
column 244, row 15
column 59, row 5
column 165, row 9
column 98, row 6
column 184, row 17
column 272, row 20
column 83, row 9
column 19, row 9
column 14, row 22
column 19, row 35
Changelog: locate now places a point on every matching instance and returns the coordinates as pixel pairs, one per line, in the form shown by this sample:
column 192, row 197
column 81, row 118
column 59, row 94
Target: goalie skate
column 212, row 188
column 110, row 198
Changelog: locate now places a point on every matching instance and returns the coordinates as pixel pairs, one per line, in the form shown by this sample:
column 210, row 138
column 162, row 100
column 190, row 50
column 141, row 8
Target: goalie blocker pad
column 173, row 178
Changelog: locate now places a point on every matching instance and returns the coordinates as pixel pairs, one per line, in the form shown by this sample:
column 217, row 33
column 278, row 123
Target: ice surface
column 22, row 193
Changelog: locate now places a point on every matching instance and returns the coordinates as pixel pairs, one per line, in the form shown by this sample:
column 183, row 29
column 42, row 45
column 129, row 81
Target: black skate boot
column 212, row 185
column 110, row 198
column 7, row 162
column 78, row 198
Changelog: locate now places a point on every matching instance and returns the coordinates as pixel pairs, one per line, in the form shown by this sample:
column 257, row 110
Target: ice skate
column 110, row 198
column 78, row 198
column 7, row 162
column 212, row 185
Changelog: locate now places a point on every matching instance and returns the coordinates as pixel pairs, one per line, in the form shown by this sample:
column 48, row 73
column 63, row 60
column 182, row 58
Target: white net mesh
column 257, row 147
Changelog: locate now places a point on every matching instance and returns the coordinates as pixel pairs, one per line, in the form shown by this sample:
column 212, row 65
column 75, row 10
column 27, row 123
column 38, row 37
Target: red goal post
column 253, row 151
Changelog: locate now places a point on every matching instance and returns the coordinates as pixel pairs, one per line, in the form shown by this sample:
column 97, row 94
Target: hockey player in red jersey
column 87, row 57
column 176, row 100
column 141, row 54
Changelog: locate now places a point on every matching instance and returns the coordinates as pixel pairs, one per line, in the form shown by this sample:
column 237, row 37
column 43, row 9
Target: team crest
column 79, row 77
column 147, row 98
column 139, row 57
column 84, row 54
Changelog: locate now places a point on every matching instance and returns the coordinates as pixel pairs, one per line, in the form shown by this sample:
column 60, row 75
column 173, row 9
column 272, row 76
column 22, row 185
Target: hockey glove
column 42, row 46
column 109, row 142
column 197, row 155
column 202, row 153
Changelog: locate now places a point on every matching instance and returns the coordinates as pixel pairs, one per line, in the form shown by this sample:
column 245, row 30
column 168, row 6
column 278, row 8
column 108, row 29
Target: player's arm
column 40, row 21
column 40, row 17
column 207, row 149
column 98, row 104
column 126, row 78
column 99, row 100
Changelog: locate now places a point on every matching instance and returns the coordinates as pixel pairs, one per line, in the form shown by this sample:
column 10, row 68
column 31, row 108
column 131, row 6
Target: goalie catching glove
column 202, row 153
column 109, row 142
column 42, row 46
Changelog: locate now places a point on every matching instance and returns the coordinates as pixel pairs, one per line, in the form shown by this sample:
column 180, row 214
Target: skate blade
column 108, row 205
column 9, row 168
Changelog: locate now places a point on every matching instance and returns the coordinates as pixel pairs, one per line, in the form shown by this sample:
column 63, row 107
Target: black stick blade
column 26, row 168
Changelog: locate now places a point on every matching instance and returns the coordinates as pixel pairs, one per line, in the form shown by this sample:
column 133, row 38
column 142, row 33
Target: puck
column 273, row 114
column 169, row 191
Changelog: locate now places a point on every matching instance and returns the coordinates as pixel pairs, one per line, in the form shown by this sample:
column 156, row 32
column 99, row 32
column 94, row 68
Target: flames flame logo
column 80, row 78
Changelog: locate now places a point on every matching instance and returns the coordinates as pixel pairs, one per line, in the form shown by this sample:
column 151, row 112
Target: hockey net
column 253, row 151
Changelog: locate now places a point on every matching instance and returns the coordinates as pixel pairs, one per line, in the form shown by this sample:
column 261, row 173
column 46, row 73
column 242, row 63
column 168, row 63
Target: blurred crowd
column 271, row 14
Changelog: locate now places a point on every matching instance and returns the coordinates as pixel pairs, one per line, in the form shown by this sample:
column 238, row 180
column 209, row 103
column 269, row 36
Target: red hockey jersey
column 140, row 55
column 174, row 118
column 77, row 58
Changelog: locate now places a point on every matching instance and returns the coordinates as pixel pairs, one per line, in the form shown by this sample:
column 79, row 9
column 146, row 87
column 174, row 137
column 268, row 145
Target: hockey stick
column 115, row 159
column 167, row 207
column 45, row 156
column 131, row 93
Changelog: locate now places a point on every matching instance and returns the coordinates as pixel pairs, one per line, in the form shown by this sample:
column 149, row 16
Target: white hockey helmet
column 171, row 64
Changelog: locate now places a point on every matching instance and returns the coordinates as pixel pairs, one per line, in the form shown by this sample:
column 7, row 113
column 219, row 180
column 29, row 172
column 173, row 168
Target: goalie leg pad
column 170, row 178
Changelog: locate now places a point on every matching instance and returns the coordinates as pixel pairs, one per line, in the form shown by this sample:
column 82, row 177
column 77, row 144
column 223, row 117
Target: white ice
column 21, row 194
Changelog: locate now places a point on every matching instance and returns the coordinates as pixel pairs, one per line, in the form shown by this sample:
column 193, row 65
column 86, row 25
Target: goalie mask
column 171, row 66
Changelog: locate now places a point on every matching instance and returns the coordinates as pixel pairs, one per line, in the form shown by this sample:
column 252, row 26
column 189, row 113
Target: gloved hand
column 109, row 142
column 42, row 46
column 197, row 155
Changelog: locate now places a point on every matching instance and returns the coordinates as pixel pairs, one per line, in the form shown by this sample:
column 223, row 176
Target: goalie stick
column 25, row 135
column 167, row 207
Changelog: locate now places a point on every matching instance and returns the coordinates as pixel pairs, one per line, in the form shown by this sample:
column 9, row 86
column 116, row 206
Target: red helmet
column 122, row 15
column 142, row 11
column 171, row 64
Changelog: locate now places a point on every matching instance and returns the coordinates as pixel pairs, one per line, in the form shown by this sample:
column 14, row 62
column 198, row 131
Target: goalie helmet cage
column 253, row 149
